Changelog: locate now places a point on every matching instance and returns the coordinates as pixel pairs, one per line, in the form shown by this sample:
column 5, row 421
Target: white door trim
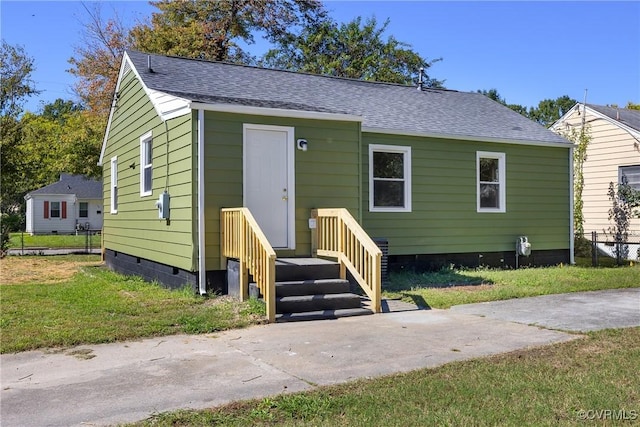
column 290, row 149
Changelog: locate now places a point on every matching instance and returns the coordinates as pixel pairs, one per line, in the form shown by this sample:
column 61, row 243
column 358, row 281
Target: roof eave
column 370, row 129
column 274, row 112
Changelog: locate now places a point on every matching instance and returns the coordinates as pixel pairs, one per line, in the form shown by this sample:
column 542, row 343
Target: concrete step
column 322, row 314
column 319, row 302
column 312, row 287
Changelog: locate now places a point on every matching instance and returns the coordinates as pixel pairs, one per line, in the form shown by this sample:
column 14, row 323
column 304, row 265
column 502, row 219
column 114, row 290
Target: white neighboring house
column 73, row 203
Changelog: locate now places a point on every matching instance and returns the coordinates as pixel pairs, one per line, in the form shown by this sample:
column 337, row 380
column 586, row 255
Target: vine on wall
column 580, row 139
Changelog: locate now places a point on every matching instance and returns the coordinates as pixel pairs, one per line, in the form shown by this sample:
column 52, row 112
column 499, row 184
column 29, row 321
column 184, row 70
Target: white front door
column 268, row 181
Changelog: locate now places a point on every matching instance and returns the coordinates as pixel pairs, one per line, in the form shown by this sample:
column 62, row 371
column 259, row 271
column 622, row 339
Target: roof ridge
column 281, row 70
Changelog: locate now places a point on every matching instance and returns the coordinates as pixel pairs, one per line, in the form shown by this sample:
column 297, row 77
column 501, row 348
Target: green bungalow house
column 442, row 176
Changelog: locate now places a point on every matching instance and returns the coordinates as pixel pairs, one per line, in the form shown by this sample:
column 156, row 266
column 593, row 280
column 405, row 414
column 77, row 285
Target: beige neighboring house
column 613, row 155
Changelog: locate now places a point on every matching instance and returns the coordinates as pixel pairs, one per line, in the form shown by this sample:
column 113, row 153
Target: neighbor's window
column 84, row 210
column 491, row 182
column 114, row 185
column 389, row 178
column 629, row 175
column 55, row 210
column 146, row 156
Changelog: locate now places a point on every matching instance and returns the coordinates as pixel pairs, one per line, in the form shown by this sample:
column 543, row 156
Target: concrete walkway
column 579, row 312
column 125, row 382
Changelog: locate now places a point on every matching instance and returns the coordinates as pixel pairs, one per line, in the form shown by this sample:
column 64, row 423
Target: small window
column 114, row 185
column 491, row 182
column 629, row 175
column 55, row 210
column 84, row 210
column 146, row 168
column 389, row 178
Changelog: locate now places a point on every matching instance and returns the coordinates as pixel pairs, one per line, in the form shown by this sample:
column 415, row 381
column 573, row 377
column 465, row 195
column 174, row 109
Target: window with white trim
column 389, row 178
column 491, row 185
column 146, row 168
column 55, row 210
column 114, row 185
column 629, row 175
column 83, row 210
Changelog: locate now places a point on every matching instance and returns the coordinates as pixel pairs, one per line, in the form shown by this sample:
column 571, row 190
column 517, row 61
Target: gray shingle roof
column 629, row 117
column 81, row 186
column 382, row 106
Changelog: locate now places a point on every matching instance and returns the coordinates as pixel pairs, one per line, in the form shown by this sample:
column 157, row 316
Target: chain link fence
column 83, row 241
column 598, row 245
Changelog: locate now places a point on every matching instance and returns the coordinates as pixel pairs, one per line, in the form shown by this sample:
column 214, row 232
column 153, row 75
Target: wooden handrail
column 242, row 238
column 338, row 235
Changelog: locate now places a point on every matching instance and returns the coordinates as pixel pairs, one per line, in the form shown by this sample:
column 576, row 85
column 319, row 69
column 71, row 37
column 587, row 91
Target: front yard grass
column 589, row 380
column 451, row 286
column 96, row 305
column 71, row 300
column 53, row 241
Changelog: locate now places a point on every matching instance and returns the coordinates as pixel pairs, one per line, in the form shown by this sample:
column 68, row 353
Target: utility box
column 163, row 206
column 523, row 247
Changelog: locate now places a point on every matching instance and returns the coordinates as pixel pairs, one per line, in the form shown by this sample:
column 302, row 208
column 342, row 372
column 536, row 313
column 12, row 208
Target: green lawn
column 454, row 286
column 97, row 306
column 52, row 241
column 564, row 384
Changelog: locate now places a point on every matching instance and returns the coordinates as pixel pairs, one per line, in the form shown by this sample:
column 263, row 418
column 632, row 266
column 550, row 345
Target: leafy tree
column 549, row 111
column 81, row 142
column 355, row 49
column 493, row 94
column 546, row 113
column 16, row 86
column 519, row 109
column 11, row 163
column 215, row 29
column 15, row 82
column 61, row 139
column 632, row 106
column 69, row 143
column 97, row 61
column 59, row 109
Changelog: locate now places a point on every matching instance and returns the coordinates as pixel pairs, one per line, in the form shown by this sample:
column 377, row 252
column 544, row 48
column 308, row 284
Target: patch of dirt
column 83, row 353
column 18, row 270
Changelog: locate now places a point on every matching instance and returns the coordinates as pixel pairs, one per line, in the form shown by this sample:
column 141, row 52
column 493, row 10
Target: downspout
column 202, row 270
column 360, row 197
column 572, row 259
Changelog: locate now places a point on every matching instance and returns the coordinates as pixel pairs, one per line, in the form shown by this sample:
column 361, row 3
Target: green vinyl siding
column 444, row 217
column 136, row 229
column 325, row 176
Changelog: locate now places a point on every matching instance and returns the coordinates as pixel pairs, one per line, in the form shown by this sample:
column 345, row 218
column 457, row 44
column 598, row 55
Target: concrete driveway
column 125, row 382
column 578, row 312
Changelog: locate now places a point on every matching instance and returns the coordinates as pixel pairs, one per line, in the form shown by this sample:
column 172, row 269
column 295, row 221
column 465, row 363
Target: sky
column 528, row 51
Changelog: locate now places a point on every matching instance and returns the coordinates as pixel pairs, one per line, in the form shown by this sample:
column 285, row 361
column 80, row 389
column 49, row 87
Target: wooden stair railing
column 241, row 238
column 338, row 235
